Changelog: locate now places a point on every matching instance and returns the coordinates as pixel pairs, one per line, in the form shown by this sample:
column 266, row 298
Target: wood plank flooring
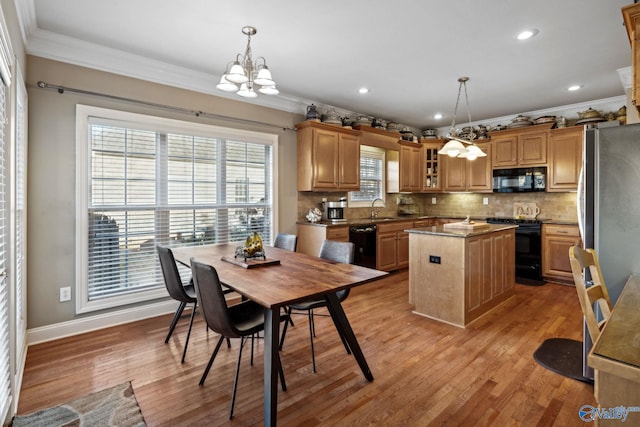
column 426, row 373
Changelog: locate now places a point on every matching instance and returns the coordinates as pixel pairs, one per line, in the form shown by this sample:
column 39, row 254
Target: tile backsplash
column 553, row 206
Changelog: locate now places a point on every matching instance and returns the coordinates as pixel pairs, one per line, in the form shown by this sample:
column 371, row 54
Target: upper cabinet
column 431, row 182
column 410, row 166
column 631, row 14
column 328, row 157
column 565, row 158
column 461, row 174
column 522, row 147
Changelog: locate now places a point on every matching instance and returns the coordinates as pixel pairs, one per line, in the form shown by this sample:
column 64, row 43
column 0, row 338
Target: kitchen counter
column 358, row 221
column 456, row 276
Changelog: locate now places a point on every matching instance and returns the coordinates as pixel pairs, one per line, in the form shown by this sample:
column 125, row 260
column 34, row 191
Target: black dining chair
column 331, row 250
column 185, row 294
column 286, row 241
column 242, row 320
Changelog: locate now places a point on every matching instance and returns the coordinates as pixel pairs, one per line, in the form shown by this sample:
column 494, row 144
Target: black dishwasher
column 363, row 236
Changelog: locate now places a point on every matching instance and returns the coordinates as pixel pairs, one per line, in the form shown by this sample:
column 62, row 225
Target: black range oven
column 528, row 249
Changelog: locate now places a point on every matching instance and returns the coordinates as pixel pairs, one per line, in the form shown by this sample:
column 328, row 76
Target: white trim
column 99, row 321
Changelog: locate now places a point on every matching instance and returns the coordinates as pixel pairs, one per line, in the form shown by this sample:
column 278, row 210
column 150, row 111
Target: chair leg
column 211, row 359
column 311, row 333
column 228, row 343
column 284, row 331
column 235, row 381
column 252, row 338
column 176, row 317
column 281, row 372
column 186, row 343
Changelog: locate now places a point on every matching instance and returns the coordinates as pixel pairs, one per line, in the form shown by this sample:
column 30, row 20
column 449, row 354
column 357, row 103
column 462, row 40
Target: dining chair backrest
column 211, row 299
column 286, row 241
column 171, row 275
column 337, row 251
column 583, row 260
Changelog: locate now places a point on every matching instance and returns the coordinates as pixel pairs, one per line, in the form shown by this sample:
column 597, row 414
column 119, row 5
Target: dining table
column 283, row 278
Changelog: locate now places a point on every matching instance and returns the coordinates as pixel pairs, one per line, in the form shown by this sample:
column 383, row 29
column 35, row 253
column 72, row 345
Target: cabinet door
column 349, row 163
column 431, row 173
column 479, row 172
column 556, row 241
column 402, row 258
column 410, row 168
column 386, row 251
column 325, row 159
column 565, row 159
column 454, row 173
column 532, row 149
column 505, row 151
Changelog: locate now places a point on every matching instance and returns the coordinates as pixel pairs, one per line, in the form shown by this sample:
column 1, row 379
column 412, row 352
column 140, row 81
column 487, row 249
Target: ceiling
column 409, row 53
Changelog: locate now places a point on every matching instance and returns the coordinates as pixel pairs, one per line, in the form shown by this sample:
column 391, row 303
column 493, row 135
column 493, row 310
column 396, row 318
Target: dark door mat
column 562, row 356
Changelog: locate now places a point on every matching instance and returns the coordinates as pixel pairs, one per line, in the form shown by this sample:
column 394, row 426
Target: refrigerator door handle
column 580, row 203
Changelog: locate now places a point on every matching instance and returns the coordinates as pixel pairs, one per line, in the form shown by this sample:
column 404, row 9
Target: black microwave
column 519, row 180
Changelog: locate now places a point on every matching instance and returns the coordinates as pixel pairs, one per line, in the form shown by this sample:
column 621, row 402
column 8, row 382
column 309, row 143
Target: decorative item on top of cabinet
column 432, row 182
column 328, row 157
column 410, row 166
column 631, row 15
column 565, row 158
column 556, row 241
column 521, row 146
column 461, row 174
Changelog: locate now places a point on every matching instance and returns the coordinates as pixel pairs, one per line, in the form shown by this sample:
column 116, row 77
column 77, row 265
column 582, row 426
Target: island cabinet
column 311, row 236
column 631, row 15
column 457, row 276
column 392, row 251
column 556, row 241
column 328, row 157
column 565, row 158
column 461, row 174
column 431, row 182
column 410, row 166
column 520, row 147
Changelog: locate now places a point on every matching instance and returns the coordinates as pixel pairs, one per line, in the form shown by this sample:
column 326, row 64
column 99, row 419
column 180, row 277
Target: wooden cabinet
column 427, row 222
column 461, row 174
column 522, row 147
column 556, row 241
column 431, row 182
column 311, row 236
column 410, row 166
column 631, row 15
column 565, row 158
column 328, row 158
column 392, row 250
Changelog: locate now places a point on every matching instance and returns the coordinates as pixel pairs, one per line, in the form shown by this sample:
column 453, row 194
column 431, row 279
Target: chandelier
column 458, row 146
column 243, row 75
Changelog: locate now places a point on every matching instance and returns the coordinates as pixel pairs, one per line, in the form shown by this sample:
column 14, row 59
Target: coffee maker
column 334, row 211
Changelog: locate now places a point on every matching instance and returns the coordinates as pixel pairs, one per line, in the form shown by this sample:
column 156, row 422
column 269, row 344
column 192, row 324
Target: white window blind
column 150, row 183
column 5, row 367
column 372, row 178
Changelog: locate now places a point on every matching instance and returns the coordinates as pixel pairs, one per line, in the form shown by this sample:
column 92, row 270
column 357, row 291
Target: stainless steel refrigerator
column 609, row 206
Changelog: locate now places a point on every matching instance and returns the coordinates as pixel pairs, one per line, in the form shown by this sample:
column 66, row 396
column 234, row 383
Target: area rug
column 116, row 406
column 562, row 356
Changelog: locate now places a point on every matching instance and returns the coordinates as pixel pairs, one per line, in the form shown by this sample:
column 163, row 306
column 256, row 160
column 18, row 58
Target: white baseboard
column 100, row 321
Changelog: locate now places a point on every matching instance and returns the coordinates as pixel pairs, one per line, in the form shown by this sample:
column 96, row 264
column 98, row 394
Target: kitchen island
column 457, row 275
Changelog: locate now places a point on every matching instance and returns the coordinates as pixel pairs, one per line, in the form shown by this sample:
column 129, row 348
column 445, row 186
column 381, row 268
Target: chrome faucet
column 374, row 214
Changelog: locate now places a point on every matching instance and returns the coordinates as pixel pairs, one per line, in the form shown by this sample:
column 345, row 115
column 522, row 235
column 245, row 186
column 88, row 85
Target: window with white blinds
column 165, row 182
column 372, row 177
column 5, row 366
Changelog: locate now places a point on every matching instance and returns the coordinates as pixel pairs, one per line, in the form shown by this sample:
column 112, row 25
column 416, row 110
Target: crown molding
column 69, row 50
column 26, row 11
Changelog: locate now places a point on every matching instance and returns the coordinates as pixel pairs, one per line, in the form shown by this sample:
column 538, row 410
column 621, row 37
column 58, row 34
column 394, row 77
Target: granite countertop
column 440, row 230
column 357, row 221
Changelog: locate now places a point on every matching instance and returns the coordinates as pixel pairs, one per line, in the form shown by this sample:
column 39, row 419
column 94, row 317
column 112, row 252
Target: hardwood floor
column 426, row 372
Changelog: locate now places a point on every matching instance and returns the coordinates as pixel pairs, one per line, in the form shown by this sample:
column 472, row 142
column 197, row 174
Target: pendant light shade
column 457, row 146
column 244, row 74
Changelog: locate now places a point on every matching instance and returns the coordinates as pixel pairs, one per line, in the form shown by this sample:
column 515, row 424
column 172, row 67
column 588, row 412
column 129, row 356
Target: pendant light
column 457, row 146
column 243, row 75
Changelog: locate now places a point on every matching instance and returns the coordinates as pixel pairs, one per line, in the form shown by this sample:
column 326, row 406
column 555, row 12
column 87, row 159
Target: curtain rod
column 197, row 113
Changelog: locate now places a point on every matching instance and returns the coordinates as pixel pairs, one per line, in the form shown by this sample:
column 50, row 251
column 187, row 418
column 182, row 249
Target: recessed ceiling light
column 573, row 88
column 437, row 116
column 363, row 90
column 527, row 34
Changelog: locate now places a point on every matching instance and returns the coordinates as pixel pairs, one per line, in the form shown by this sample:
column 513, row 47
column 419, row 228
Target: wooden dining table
column 296, row 277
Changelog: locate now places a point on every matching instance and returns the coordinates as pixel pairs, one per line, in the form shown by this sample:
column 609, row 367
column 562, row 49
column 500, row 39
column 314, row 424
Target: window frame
column 365, row 152
column 84, row 113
